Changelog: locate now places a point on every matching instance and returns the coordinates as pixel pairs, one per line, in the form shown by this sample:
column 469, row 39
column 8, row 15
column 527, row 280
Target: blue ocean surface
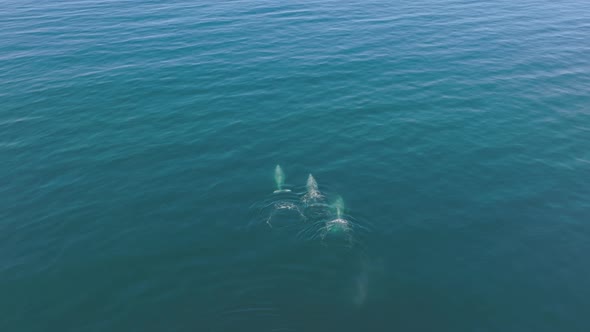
column 448, row 144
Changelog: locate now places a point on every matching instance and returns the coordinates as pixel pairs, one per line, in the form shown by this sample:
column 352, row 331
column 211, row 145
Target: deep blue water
column 138, row 143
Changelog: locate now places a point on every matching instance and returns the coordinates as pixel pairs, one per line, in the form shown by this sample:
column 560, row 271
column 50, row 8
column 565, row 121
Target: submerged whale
column 280, row 180
column 284, row 207
column 339, row 224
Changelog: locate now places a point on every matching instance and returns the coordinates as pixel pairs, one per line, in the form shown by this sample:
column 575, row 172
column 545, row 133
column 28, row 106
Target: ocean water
column 139, row 140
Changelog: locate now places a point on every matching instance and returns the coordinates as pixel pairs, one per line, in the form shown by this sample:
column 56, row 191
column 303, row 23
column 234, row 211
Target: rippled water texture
column 139, row 139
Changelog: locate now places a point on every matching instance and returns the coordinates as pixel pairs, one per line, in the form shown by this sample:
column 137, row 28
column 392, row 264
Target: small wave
column 10, row 145
column 6, row 122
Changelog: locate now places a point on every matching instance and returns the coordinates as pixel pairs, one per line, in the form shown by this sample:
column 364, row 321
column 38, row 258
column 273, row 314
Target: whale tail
column 280, row 180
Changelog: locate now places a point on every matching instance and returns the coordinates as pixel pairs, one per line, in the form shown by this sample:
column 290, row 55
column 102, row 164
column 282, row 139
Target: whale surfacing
column 280, row 180
column 313, row 193
column 339, row 206
column 339, row 224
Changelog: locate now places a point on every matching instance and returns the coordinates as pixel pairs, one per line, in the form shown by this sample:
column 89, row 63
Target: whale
column 280, row 180
column 339, row 224
column 312, row 193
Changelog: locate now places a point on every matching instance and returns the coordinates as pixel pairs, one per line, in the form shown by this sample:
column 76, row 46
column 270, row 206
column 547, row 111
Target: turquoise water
column 139, row 141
